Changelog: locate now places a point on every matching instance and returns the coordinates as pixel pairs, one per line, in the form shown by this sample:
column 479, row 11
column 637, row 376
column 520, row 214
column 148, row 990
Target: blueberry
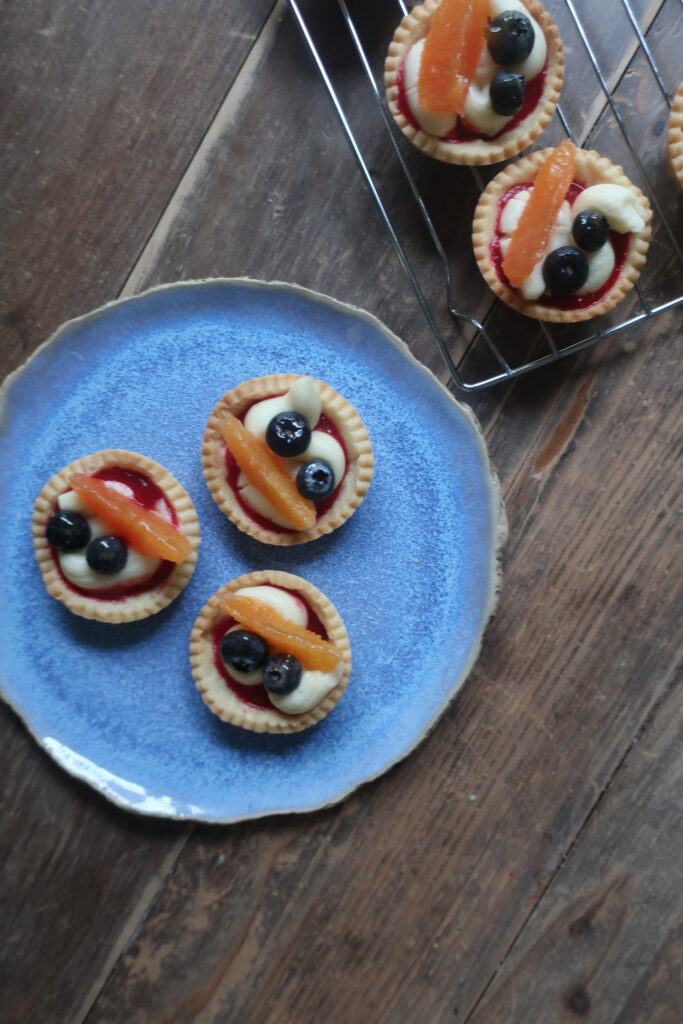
column 243, row 650
column 565, row 270
column 507, row 93
column 590, row 230
column 106, row 555
column 282, row 674
column 288, row 434
column 315, row 480
column 67, row 531
column 510, row 37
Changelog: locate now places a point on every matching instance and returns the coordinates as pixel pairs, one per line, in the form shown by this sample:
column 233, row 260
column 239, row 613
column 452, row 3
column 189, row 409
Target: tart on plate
column 270, row 653
column 115, row 536
column 474, row 81
column 562, row 234
column 675, row 137
column 286, row 458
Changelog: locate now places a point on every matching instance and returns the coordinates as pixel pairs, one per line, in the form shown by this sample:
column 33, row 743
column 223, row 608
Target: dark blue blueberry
column 288, row 434
column 590, row 230
column 106, row 555
column 67, row 531
column 315, row 480
column 244, row 651
column 282, row 674
column 565, row 270
column 507, row 92
column 510, row 37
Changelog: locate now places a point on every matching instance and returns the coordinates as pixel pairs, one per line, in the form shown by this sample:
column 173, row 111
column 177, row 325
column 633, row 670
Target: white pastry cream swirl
column 313, row 685
column 303, row 397
column 618, row 204
column 477, row 111
column 74, row 565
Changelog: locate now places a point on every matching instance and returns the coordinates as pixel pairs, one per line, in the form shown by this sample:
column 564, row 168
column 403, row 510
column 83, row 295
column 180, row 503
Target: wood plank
column 77, row 877
column 87, row 172
column 605, row 940
column 399, row 904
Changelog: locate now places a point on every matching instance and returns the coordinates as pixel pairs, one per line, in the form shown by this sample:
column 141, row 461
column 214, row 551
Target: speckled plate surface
column 413, row 573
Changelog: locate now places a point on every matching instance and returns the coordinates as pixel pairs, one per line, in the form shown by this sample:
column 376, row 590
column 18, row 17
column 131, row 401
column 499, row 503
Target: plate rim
column 498, row 519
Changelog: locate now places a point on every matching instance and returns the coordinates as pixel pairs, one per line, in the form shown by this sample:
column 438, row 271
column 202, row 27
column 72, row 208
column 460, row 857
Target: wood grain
column 106, row 105
column 605, row 942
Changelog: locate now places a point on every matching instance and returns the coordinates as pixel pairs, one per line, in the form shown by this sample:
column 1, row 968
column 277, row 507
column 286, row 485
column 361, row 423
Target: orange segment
column 451, row 53
column 282, row 635
column 142, row 528
column 530, row 237
column 264, row 470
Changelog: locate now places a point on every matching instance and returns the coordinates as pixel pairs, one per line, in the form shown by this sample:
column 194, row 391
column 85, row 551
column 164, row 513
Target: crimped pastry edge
column 360, row 467
column 591, row 169
column 479, row 152
column 220, row 699
column 675, row 138
column 137, row 606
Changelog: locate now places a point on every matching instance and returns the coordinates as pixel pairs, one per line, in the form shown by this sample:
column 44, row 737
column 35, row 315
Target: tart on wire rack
column 474, row 81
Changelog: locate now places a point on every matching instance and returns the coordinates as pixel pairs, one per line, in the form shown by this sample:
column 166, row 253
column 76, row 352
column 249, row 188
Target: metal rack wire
column 554, row 344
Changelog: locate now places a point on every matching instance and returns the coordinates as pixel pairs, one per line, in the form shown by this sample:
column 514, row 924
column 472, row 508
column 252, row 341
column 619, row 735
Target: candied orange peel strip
column 530, row 237
column 451, row 54
column 264, row 470
column 281, row 634
column 142, row 528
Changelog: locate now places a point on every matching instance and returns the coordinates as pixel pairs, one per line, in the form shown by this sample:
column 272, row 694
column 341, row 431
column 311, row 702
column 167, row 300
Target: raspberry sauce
column 255, row 696
column 463, row 132
column 620, row 243
column 232, row 472
column 148, row 494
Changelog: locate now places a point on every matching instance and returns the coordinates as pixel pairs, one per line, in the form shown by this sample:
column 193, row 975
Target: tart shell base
column 675, row 138
column 354, row 486
column 135, row 606
column 591, row 169
column 478, row 152
column 213, row 688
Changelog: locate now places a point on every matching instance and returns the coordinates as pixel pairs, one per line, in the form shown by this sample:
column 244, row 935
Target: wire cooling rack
column 481, row 346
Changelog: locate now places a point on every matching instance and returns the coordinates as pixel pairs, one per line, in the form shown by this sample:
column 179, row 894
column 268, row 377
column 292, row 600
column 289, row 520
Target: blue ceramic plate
column 413, row 572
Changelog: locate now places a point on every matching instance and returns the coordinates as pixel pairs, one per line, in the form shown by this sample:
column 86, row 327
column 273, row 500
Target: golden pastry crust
column 136, row 606
column 479, row 151
column 356, row 439
column 215, row 692
column 675, row 137
column 591, row 169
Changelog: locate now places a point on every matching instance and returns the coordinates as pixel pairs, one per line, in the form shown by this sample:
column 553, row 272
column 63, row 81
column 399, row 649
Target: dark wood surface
column 524, row 864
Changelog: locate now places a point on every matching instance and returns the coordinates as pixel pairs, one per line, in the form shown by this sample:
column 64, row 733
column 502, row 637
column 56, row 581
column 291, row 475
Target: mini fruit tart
column 115, row 536
column 474, row 81
column 286, row 458
column 676, row 137
column 562, row 234
column 270, row 653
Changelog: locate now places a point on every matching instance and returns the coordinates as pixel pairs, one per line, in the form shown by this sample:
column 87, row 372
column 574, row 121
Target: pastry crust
column 591, row 169
column 136, row 606
column 218, row 696
column 479, row 151
column 675, row 137
column 354, row 486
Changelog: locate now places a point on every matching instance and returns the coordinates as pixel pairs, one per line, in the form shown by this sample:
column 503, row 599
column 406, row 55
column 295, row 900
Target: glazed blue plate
column 413, row 572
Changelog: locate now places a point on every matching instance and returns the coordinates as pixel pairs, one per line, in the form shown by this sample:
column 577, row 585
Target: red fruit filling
column 232, row 472
column 255, row 696
column 464, row 132
column 147, row 494
column 620, row 243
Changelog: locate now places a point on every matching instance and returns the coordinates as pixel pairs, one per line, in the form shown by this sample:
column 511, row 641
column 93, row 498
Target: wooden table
column 524, row 864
